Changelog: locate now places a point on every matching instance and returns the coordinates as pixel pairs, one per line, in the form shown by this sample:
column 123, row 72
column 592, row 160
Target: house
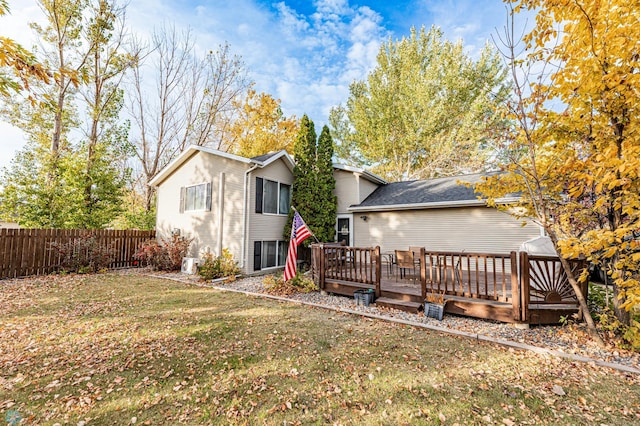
column 441, row 214
column 223, row 200
column 227, row 201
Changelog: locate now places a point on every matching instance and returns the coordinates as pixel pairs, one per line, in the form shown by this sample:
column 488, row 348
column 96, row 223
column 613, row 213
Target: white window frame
column 279, row 262
column 204, row 201
column 350, row 217
column 264, row 197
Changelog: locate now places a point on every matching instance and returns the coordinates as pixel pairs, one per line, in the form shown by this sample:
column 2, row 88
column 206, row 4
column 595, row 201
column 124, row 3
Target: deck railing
column 474, row 275
column 350, row 264
column 521, row 280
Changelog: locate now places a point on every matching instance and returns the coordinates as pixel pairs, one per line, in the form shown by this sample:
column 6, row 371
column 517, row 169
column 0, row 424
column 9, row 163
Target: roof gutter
column 422, row 206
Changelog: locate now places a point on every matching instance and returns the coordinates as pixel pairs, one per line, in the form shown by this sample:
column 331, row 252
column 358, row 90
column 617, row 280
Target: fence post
column 515, row 287
column 376, row 253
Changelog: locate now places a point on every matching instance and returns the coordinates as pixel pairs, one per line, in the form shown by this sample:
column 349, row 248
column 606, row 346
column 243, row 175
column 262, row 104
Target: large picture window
column 196, row 197
column 272, row 197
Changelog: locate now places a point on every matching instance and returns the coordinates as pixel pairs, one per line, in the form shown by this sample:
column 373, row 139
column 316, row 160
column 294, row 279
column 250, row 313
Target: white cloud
column 307, row 58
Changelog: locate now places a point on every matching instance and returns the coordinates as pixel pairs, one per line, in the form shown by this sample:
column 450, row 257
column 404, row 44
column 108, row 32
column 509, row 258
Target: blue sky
column 304, row 53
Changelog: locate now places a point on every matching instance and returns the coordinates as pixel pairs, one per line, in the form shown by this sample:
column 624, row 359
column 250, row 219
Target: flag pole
column 314, row 235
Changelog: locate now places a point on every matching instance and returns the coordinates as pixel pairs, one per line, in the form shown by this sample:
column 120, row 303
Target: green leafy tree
column 426, row 110
column 36, row 194
column 69, row 175
column 106, row 140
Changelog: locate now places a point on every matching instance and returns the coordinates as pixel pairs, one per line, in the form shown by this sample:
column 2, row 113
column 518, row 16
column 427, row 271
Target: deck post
column 376, row 254
column 515, row 288
column 322, row 266
column 423, row 273
column 524, row 284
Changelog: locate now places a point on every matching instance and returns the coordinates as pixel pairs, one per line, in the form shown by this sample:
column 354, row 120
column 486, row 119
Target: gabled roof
column 371, row 177
column 421, row 194
column 260, row 161
column 264, row 157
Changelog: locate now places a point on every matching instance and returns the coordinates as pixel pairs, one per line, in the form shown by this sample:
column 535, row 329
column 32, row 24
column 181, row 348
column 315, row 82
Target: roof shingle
column 439, row 190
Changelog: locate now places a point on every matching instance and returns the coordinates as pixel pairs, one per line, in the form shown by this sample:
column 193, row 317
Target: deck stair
column 403, row 305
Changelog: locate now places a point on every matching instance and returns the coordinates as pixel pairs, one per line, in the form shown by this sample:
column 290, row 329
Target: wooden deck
column 506, row 288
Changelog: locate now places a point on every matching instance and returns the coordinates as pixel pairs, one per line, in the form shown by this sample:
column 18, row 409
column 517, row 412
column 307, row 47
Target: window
column 269, row 254
column 285, row 198
column 196, row 198
column 272, row 197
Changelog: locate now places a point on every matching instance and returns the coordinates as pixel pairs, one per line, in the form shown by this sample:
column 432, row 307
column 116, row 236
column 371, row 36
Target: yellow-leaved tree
column 19, row 62
column 261, row 127
column 574, row 149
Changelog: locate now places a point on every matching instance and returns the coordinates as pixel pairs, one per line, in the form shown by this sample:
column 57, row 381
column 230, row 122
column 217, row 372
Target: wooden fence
column 25, row 252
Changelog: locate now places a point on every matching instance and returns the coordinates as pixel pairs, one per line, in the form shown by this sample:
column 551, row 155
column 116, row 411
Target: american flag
column 299, row 233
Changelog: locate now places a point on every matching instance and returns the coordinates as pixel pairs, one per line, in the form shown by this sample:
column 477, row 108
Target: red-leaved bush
column 165, row 254
column 86, row 253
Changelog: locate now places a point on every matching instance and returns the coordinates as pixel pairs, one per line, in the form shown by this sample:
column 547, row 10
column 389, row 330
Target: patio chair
column 415, row 250
column 404, row 262
column 416, row 254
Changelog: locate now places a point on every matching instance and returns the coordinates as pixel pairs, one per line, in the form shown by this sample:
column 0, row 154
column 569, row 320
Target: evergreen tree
column 313, row 182
column 304, row 148
column 325, row 200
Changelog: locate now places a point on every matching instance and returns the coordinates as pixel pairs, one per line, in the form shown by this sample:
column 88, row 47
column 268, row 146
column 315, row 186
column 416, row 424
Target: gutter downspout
column 221, row 184
column 245, row 216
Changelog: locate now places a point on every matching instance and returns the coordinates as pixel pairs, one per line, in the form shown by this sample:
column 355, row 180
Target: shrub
column 598, row 300
column 163, row 255
column 299, row 284
column 84, row 254
column 632, row 333
column 218, row 267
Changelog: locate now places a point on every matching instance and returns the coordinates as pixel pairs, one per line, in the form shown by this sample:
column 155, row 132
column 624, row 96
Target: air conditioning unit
column 190, row 265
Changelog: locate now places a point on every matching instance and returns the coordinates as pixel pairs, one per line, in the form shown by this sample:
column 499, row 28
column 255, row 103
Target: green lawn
column 113, row 349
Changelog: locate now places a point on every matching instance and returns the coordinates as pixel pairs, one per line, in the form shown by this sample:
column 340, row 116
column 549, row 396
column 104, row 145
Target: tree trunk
column 591, row 326
column 148, row 202
column 621, row 313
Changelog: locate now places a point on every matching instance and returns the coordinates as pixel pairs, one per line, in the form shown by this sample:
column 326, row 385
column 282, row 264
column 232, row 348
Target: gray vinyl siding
column 264, row 226
column 472, row 229
column 202, row 226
